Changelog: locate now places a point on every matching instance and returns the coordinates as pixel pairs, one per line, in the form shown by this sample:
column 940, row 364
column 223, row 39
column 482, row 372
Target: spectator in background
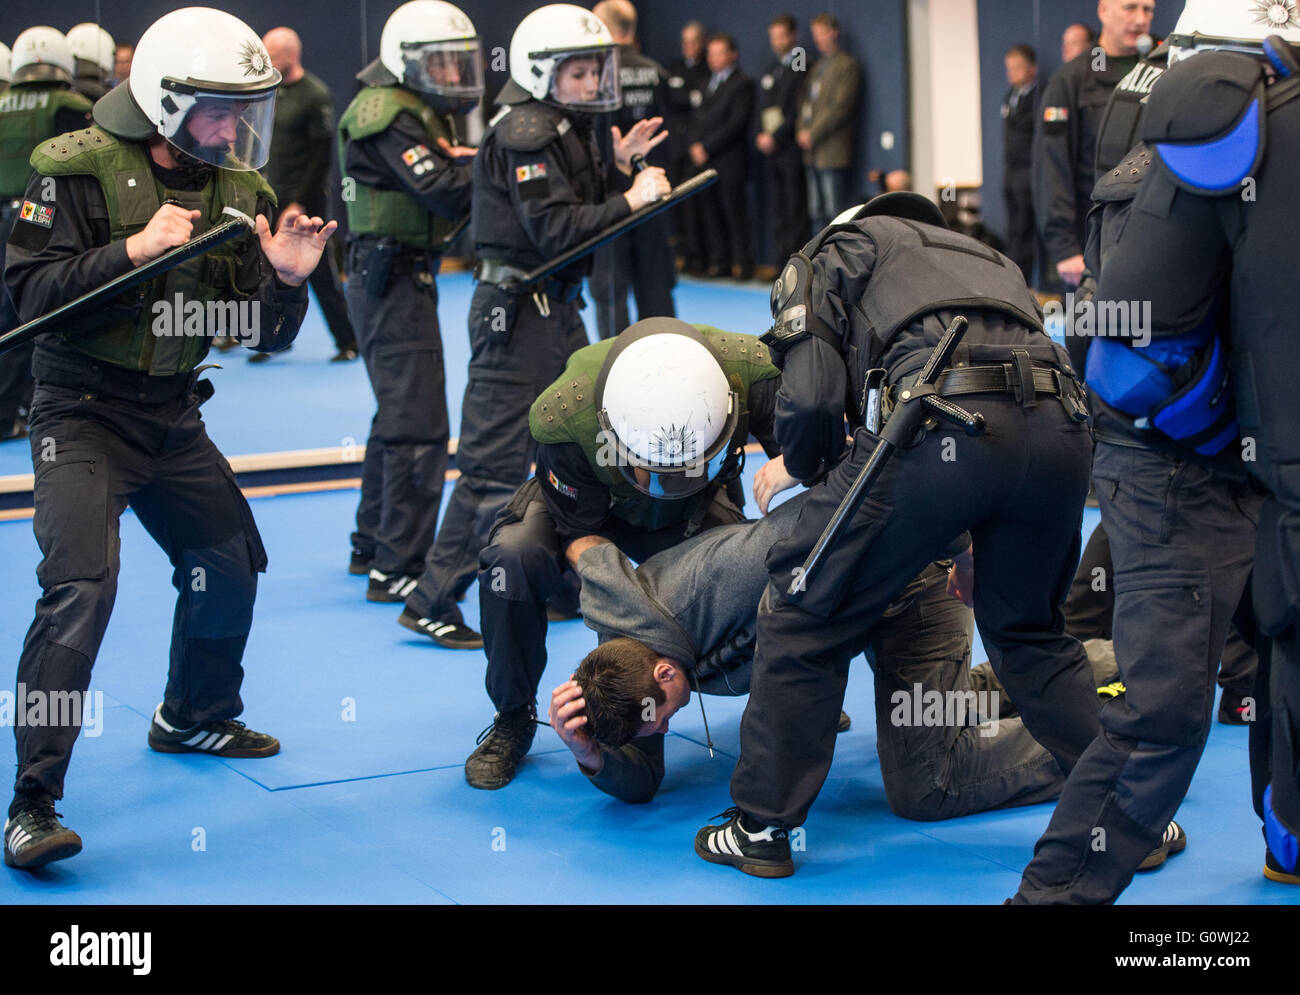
column 1075, row 40
column 302, row 148
column 827, row 123
column 720, row 140
column 122, row 56
column 778, row 116
column 641, row 259
column 683, row 95
column 1019, row 114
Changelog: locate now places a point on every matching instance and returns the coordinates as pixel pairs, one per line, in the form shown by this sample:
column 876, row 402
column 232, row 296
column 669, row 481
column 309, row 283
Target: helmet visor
column 585, row 79
column 673, row 478
column 221, row 128
column 451, row 69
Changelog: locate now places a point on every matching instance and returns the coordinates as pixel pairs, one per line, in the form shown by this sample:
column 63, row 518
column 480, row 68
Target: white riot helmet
column 91, row 43
column 1232, row 25
column 667, row 413
column 4, row 63
column 431, row 47
column 42, row 55
column 203, row 80
column 553, row 35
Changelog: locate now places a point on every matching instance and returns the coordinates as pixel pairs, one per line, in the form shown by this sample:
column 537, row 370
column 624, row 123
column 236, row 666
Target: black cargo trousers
column 93, row 456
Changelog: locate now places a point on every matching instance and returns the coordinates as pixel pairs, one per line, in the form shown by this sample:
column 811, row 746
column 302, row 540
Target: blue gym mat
column 367, row 801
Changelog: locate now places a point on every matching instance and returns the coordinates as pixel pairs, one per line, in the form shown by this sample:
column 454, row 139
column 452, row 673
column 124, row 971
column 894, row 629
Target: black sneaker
column 502, row 745
column 359, row 564
column 345, row 355
column 222, row 738
column 35, row 837
column 449, row 635
column 1232, row 708
column 764, row 854
column 846, row 723
column 1174, row 841
column 389, row 588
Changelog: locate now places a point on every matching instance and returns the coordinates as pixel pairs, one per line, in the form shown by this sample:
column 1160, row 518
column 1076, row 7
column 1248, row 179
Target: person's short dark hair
column 616, row 679
column 786, row 21
column 827, row 20
column 725, row 38
column 1026, row 52
column 1092, row 32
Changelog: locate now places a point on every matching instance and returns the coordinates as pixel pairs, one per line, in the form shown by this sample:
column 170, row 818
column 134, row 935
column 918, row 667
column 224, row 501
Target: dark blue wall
column 1003, row 23
column 337, row 34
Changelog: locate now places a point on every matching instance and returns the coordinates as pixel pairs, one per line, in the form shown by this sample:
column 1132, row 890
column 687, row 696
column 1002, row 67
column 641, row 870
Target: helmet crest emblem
column 1277, row 13
column 253, row 59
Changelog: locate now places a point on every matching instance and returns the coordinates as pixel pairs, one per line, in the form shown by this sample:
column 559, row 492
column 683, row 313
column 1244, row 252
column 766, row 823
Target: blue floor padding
column 377, row 809
column 302, row 827
column 300, row 400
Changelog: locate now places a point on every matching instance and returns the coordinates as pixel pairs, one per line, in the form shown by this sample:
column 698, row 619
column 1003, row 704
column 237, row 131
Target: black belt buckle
column 1022, row 379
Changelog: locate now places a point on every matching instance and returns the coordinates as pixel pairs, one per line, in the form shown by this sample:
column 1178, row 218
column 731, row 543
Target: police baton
column 914, row 404
column 239, row 224
column 642, row 214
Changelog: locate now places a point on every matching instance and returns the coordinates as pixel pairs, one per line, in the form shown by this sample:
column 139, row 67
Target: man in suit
column 828, row 123
column 719, row 141
column 1019, row 112
column 683, row 95
column 778, row 114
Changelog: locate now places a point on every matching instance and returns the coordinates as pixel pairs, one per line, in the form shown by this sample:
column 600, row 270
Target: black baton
column 679, row 193
column 914, row 403
column 238, row 225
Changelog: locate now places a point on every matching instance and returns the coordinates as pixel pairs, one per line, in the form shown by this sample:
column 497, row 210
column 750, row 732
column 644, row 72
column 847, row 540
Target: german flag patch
column 37, row 214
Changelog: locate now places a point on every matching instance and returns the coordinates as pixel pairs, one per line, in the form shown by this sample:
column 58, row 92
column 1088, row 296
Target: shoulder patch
column 529, row 127
column 37, row 214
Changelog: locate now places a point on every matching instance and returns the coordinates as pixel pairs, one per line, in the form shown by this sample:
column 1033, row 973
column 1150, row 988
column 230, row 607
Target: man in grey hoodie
column 686, row 618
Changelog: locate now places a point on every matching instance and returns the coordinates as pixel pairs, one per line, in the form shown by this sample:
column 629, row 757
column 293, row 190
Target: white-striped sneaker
column 1173, row 841
column 222, row 738
column 450, row 635
column 35, row 837
column 764, row 854
column 389, row 588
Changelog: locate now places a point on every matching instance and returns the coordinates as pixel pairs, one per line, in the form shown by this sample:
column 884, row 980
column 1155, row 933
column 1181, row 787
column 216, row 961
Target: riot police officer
column 115, row 416
column 40, row 103
column 1065, row 146
column 5, row 71
column 1214, row 199
column 875, row 293
column 408, row 182
column 641, row 260
column 539, row 188
column 93, row 50
column 608, row 470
